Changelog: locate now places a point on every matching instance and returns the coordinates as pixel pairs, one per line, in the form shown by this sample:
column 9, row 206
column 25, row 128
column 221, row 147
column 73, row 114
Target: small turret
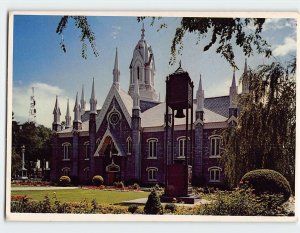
column 233, row 100
column 200, row 101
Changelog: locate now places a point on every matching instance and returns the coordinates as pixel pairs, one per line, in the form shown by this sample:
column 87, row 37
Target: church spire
column 76, row 110
column 233, row 92
column 82, row 101
column 143, row 32
column 56, row 115
column 116, row 72
column 136, row 95
column 245, row 79
column 200, row 97
column 93, row 101
column 68, row 117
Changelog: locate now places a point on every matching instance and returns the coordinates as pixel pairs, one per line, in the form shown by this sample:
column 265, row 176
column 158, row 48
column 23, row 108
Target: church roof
column 127, row 100
column 155, row 116
column 219, row 105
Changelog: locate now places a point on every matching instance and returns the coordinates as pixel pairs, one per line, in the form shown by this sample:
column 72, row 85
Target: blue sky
column 39, row 61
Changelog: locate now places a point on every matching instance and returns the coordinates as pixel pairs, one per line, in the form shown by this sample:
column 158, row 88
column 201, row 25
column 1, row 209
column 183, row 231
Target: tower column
column 92, row 130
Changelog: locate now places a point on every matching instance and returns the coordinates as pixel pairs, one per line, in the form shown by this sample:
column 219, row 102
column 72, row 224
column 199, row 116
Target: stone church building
column 125, row 139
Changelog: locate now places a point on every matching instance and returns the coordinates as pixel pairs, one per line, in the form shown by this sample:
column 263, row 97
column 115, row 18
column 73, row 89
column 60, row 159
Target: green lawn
column 70, row 195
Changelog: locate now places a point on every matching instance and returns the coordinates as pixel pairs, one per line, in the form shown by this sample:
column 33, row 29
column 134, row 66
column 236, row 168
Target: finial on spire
column 180, row 64
column 93, row 101
column 116, row 72
column 143, row 32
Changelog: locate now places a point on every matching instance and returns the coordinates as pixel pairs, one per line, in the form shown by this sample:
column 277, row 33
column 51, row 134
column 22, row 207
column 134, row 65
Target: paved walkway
column 40, row 188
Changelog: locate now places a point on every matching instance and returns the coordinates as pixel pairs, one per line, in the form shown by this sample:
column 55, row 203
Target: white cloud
column 45, row 99
column 289, row 45
column 116, row 31
column 279, row 23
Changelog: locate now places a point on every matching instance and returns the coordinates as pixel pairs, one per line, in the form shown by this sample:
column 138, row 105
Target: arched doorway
column 110, row 161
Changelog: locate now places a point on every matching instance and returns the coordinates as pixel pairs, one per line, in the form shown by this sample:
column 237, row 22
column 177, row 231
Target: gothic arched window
column 67, row 150
column 214, row 174
column 152, row 173
column 138, row 73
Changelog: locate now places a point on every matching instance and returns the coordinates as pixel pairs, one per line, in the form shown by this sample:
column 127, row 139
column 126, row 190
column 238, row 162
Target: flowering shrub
column 32, row 183
column 20, row 198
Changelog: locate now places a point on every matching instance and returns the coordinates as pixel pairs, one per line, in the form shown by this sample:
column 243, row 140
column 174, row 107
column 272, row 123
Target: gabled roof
column 154, row 117
column 124, row 100
column 219, row 105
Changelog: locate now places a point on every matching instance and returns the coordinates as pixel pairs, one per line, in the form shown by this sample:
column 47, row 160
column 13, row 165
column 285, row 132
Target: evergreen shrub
column 267, row 181
column 64, row 180
column 97, row 180
column 153, row 205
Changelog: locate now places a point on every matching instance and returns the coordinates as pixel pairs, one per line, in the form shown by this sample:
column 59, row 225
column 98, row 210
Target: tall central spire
column 116, row 72
column 143, row 32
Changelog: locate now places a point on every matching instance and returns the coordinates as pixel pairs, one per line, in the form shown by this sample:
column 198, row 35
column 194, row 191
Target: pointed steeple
column 56, row 112
column 233, row 92
column 56, row 126
column 136, row 95
column 93, row 101
column 82, row 101
column 116, row 72
column 76, row 110
column 143, row 32
column 200, row 97
column 245, row 80
column 245, row 67
column 68, row 116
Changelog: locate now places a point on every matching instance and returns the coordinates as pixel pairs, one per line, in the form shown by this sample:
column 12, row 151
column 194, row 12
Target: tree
column 265, row 133
column 224, row 32
column 86, row 34
column 37, row 142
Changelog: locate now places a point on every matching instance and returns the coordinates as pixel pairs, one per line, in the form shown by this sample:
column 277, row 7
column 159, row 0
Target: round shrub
column 153, row 205
column 64, row 180
column 267, row 181
column 132, row 208
column 97, row 180
column 170, row 207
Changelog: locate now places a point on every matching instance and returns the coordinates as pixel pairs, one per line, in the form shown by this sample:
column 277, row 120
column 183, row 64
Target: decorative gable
column 125, row 103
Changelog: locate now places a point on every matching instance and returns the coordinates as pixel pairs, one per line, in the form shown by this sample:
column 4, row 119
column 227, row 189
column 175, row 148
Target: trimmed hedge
column 153, row 205
column 267, row 181
column 64, row 180
column 98, row 180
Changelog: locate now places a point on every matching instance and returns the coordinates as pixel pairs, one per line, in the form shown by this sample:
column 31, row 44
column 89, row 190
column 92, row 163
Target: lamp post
column 23, row 170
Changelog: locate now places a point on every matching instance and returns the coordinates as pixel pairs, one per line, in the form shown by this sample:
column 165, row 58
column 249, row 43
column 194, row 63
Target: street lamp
column 23, row 170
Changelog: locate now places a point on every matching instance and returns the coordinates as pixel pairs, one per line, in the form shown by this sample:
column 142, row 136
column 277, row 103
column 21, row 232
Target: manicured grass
column 76, row 195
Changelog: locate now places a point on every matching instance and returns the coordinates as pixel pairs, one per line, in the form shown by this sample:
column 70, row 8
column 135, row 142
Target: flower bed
column 32, row 183
column 20, row 198
column 112, row 188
